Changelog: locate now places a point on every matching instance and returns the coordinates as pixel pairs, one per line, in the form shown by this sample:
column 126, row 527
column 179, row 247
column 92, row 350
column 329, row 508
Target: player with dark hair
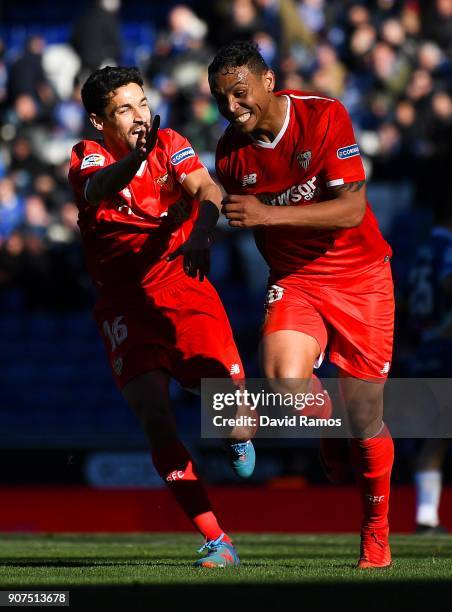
column 292, row 170
column 147, row 208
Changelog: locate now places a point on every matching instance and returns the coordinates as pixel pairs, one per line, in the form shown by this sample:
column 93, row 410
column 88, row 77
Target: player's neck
column 117, row 149
column 274, row 120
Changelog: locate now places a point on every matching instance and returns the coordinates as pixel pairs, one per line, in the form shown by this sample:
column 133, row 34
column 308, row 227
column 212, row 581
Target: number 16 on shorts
column 116, row 332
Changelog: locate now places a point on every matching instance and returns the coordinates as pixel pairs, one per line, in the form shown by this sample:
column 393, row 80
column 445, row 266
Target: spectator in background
column 12, row 261
column 36, row 217
column 3, row 76
column 312, row 13
column 177, row 65
column 202, row 128
column 185, row 29
column 27, row 76
column 11, row 208
column 433, row 181
column 230, row 19
column 97, row 36
column 24, row 165
column 391, row 69
column 68, row 114
column 189, row 52
column 437, row 22
column 329, row 75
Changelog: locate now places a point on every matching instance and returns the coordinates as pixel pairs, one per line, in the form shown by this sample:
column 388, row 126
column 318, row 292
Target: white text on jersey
column 292, row 195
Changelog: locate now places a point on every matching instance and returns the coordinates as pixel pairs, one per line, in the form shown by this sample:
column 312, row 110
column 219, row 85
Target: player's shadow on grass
column 111, row 562
column 303, row 555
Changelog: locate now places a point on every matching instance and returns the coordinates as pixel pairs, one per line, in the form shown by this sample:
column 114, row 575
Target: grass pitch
column 136, row 572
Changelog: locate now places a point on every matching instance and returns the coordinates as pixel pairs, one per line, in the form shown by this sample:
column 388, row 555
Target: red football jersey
column 315, row 149
column 127, row 237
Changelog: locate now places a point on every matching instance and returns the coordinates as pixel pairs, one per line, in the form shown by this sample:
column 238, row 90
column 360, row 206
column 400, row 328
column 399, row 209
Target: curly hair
column 238, row 53
column 101, row 84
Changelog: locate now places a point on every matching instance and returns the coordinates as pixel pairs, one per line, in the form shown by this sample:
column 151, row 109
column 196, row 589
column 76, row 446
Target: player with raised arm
column 292, row 170
column 147, row 207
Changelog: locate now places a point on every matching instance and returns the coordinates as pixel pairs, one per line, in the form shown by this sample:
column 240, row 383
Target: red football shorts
column 182, row 328
column 354, row 317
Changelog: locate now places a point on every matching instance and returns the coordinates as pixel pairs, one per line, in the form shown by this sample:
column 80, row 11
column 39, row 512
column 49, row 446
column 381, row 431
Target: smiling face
column 124, row 116
column 245, row 98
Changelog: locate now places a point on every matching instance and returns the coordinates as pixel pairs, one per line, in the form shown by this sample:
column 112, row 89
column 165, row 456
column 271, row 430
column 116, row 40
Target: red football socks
column 175, row 466
column 372, row 461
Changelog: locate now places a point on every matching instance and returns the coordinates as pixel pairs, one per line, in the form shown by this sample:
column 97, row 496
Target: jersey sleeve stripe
column 335, row 182
column 311, row 98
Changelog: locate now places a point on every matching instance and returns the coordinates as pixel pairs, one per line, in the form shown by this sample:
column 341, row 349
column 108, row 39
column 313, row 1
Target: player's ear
column 269, row 80
column 97, row 121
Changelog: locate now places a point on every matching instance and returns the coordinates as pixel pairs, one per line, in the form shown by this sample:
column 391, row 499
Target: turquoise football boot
column 219, row 554
column 242, row 457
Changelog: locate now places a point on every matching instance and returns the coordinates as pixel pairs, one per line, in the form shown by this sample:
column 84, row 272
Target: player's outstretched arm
column 196, row 251
column 344, row 210
column 110, row 180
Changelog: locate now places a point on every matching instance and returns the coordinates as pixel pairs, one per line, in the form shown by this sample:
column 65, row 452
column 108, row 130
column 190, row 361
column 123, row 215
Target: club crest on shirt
column 161, row 180
column 304, row 159
column 274, row 294
column 165, row 182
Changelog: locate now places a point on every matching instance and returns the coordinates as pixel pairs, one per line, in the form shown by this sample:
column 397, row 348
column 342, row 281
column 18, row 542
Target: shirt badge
column 304, row 159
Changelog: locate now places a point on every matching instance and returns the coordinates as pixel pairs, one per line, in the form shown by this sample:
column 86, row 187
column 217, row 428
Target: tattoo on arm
column 356, row 186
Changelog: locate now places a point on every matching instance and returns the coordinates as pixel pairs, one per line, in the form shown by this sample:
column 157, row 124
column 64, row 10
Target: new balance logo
column 249, row 179
column 235, row 369
column 385, row 368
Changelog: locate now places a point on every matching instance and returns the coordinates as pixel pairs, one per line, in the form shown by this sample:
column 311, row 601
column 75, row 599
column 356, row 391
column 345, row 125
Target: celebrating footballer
column 292, row 170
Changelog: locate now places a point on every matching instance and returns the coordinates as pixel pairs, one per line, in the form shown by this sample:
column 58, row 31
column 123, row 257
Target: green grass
column 131, row 570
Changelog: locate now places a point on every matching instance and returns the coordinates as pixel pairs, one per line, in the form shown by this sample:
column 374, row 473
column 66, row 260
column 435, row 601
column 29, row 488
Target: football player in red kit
column 292, row 170
column 147, row 207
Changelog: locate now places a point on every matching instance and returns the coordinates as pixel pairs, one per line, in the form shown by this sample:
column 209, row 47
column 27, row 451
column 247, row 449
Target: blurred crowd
column 389, row 61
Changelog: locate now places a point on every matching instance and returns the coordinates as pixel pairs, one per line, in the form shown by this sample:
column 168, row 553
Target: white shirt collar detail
column 282, row 131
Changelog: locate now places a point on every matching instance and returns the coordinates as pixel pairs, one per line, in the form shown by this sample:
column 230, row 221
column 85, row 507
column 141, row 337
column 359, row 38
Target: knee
column 288, row 371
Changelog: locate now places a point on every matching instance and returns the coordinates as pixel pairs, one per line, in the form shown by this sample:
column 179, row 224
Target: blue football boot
column 219, row 554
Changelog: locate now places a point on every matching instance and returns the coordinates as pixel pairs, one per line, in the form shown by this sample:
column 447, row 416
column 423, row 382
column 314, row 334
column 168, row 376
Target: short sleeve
column 182, row 158
column 342, row 162
column 87, row 158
